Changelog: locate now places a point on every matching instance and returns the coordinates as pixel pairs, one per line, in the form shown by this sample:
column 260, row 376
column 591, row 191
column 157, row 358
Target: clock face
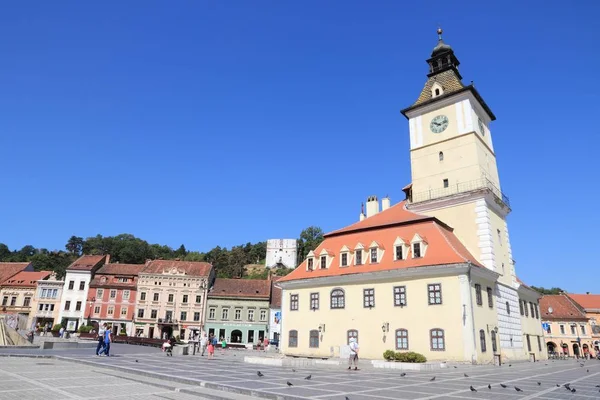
column 439, row 124
column 481, row 127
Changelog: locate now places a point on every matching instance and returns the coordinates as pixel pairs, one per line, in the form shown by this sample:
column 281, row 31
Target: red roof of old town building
column 587, row 301
column 87, row 263
column 563, row 308
column 8, row 269
column 26, row 278
column 189, row 267
column 241, row 288
column 109, row 274
column 384, row 228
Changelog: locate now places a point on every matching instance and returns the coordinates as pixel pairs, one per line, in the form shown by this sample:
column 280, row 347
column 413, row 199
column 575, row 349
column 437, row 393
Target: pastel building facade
column 238, row 310
column 568, row 330
column 590, row 303
column 435, row 273
column 75, row 290
column 17, row 294
column 275, row 313
column 172, row 297
column 45, row 306
column 112, row 297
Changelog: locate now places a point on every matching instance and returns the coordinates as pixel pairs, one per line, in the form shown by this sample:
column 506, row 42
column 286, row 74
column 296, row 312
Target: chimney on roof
column 587, row 292
column 372, row 206
column 385, row 203
column 107, row 259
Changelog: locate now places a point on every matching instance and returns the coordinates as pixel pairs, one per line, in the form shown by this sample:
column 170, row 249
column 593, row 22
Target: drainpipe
column 473, row 355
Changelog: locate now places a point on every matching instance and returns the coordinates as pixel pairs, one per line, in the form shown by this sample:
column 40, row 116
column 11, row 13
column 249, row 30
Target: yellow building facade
column 456, row 188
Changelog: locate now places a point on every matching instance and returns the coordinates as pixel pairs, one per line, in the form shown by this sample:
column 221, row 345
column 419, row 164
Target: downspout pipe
column 474, row 353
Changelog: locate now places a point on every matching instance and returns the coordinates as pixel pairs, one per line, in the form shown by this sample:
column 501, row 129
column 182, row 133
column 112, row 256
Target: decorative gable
column 345, row 256
column 310, row 261
column 375, row 252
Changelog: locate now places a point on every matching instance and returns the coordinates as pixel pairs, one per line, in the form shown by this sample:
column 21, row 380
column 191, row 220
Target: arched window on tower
column 437, row 92
column 441, row 156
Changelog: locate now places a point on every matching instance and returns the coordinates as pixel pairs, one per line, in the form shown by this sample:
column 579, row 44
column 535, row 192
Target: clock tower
column 455, row 176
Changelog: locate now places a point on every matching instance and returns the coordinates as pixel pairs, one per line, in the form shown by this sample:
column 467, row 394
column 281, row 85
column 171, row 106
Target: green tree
column 542, row 290
column 181, row 252
column 310, row 239
column 5, row 252
column 75, row 245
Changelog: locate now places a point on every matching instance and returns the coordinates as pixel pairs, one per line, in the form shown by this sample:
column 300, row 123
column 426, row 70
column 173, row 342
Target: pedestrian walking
column 100, row 339
column 353, row 359
column 107, row 340
column 203, row 343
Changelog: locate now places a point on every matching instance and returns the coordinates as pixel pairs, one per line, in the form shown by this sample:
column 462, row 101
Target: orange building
column 112, row 296
column 18, row 291
column 591, row 306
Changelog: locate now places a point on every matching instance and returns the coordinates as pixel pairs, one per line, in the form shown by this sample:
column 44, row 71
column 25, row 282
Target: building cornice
column 529, row 292
column 404, row 273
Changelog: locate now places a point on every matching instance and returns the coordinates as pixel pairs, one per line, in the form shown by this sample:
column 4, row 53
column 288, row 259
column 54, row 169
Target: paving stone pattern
column 230, row 374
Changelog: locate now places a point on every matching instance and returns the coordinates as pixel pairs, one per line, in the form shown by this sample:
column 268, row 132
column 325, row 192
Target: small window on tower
column 445, row 183
column 441, row 155
column 437, row 92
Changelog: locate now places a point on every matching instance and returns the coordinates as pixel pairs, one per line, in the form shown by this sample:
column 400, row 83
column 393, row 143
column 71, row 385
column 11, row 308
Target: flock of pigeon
column 567, row 386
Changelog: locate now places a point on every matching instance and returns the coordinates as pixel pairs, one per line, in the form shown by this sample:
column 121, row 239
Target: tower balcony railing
column 482, row 184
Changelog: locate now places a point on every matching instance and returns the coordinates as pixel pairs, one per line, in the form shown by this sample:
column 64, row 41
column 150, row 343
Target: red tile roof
column 189, row 267
column 87, row 263
column 443, row 247
column 8, row 269
column 121, row 269
column 395, row 215
column 26, row 278
column 587, row 301
column 255, row 288
column 563, row 308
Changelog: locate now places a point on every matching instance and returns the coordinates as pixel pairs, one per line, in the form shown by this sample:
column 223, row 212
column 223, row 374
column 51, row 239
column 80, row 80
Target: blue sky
column 220, row 123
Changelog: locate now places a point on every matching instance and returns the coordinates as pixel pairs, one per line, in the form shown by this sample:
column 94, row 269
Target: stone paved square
column 231, row 376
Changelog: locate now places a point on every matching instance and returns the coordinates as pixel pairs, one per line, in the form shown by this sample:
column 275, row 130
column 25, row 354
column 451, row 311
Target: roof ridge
column 575, row 304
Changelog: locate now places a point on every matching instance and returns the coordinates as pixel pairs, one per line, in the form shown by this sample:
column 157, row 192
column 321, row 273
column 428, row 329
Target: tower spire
column 439, row 32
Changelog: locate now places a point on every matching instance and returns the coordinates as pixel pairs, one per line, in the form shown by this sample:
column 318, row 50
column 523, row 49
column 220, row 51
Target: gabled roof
column 189, row 267
column 87, row 263
column 26, row 278
column 587, row 301
column 444, row 248
column 8, row 269
column 120, row 269
column 395, row 215
column 563, row 308
column 255, row 288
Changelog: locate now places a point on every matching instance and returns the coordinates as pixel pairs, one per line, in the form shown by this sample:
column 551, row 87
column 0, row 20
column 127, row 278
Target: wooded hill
column 127, row 248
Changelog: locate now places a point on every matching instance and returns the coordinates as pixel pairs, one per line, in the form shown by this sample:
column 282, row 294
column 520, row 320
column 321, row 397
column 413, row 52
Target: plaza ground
column 135, row 372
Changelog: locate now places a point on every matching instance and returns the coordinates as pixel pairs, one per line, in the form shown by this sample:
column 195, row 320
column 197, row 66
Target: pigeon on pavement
column 289, row 383
column 489, row 386
column 259, row 374
column 517, row 389
column 503, row 385
column 466, row 376
column 432, row 379
column 472, row 389
column 539, row 383
column 308, row 377
column 403, row 374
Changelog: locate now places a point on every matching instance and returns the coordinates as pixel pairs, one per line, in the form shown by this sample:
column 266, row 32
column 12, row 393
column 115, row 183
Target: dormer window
column 416, row 250
column 309, row 263
column 344, row 256
column 399, row 253
column 375, row 252
column 344, row 260
column 400, row 249
column 358, row 254
column 419, row 246
column 437, row 90
column 373, row 256
column 323, row 262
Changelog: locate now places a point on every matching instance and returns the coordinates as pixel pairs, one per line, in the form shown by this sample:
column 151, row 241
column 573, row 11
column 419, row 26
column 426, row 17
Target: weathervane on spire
column 439, row 32
column 362, row 208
